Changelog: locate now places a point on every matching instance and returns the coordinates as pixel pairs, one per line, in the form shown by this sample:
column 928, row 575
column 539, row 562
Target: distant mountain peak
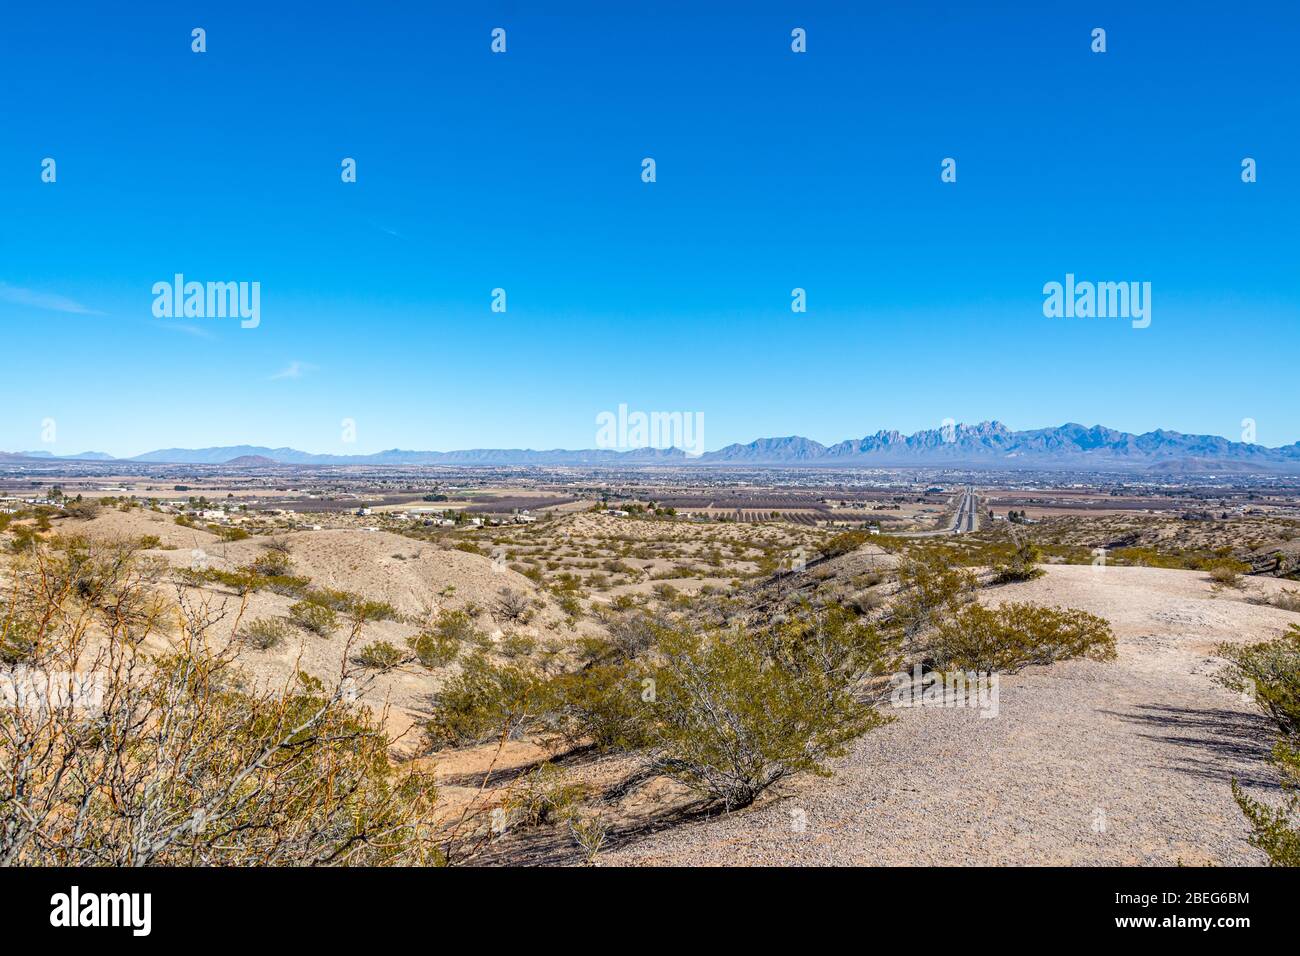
column 986, row 444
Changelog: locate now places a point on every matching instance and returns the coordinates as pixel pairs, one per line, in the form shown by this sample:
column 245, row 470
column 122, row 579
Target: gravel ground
column 1127, row 762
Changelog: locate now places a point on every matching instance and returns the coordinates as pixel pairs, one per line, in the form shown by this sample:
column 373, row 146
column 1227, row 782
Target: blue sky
column 522, row 171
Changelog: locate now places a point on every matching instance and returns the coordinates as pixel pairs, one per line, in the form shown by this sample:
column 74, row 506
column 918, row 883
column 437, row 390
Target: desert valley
column 667, row 664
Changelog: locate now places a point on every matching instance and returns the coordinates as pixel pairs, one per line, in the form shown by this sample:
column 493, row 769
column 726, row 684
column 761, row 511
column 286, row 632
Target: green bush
column 845, row 542
column 736, row 711
column 1227, row 572
column 1012, row 636
column 1022, row 566
column 266, row 632
column 485, row 701
column 931, row 588
column 314, row 617
column 601, row 705
column 1276, row 830
column 352, row 605
column 434, row 650
column 1270, row 673
column 272, row 564
column 379, row 655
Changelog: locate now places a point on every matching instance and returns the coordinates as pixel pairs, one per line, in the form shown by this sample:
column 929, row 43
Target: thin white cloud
column 43, row 300
column 294, row 369
column 194, row 330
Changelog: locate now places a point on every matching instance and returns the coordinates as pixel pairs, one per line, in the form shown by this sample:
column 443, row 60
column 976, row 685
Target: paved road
column 967, row 513
column 966, row 520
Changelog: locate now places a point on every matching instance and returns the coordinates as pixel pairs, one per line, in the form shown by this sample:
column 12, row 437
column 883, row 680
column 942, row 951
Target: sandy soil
column 1127, row 762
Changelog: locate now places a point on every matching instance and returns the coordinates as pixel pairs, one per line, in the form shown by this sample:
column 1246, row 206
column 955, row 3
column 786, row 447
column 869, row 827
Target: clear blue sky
column 522, row 171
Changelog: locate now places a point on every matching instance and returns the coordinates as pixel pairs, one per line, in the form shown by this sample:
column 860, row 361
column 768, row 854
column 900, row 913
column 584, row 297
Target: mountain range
column 986, row 445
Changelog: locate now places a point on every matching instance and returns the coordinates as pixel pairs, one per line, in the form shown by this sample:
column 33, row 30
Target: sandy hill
column 409, row 574
column 138, row 523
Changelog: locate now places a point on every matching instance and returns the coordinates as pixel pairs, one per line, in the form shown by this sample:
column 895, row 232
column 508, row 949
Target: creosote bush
column 602, row 705
column 931, row 589
column 1270, row 672
column 379, row 655
column 1227, row 572
column 313, row 617
column 543, row 798
column 1022, row 565
column 485, row 701
column 266, row 632
column 433, row 650
column 174, row 757
column 1011, row 636
column 735, row 711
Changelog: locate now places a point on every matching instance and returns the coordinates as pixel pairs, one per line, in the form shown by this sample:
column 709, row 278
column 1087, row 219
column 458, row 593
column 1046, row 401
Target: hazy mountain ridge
column 987, row 444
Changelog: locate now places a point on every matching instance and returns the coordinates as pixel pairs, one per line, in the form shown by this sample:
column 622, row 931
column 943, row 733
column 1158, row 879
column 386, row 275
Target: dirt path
column 1121, row 763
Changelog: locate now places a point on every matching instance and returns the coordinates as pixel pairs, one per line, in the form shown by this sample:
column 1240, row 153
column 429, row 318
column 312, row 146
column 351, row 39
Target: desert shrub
column 601, row 705
column 588, row 832
column 845, row 542
column 359, row 609
column 1022, row 565
column 1276, row 829
column 736, row 711
column 355, row 607
column 19, row 628
column 316, row 618
column 533, row 574
column 633, row 634
column 1269, row 672
column 570, row 605
column 175, row 761
column 286, row 585
column 456, row 626
column 335, row 600
column 240, row 581
column 379, row 655
column 272, row 564
column 866, row 601
column 228, row 532
column 485, row 700
column 81, row 510
column 514, row 606
column 1227, row 572
column 1013, row 635
column 932, row 587
column 265, row 633
column 25, row 538
column 434, row 650
column 516, row 644
column 542, row 798
column 665, row 592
